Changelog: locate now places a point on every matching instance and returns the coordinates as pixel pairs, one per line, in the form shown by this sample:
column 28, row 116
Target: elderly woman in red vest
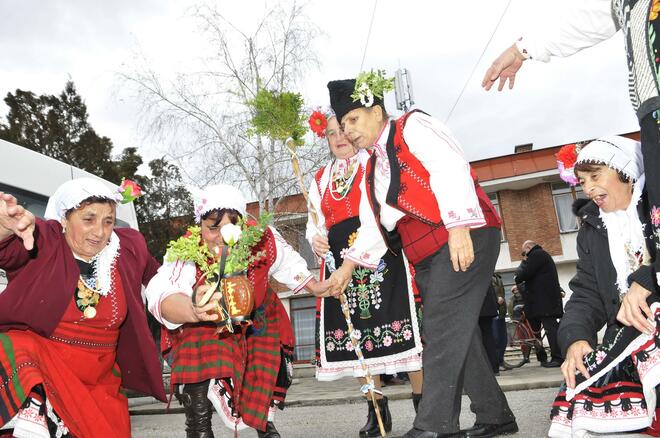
column 243, row 375
column 73, row 330
column 420, row 189
column 381, row 300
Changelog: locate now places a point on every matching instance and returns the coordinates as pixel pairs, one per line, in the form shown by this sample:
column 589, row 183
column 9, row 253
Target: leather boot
column 270, row 431
column 198, row 410
column 370, row 429
column 416, row 398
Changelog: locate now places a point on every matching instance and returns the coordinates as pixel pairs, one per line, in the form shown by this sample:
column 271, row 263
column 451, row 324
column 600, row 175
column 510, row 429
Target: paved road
column 344, row 420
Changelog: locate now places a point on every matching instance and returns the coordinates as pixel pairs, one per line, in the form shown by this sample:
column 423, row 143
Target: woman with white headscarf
column 243, row 375
column 72, row 324
column 609, row 387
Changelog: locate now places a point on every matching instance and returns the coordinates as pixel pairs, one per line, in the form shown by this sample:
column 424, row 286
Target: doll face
column 603, row 186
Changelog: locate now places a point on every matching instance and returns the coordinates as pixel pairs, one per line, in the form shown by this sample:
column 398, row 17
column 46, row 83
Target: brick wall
column 530, row 215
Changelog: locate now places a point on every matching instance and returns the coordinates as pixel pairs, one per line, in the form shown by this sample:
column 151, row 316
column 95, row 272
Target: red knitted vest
column 422, row 231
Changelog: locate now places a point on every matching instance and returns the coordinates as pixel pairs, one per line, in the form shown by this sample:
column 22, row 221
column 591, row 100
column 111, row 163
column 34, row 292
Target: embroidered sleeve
column 289, row 267
column 570, row 27
column 172, row 278
column 451, row 182
column 315, row 206
column 368, row 247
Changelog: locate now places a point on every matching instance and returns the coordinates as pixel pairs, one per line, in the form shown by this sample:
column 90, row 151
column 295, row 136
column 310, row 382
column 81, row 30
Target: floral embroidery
column 600, row 357
column 351, row 238
column 363, row 291
column 655, row 10
column 382, row 336
column 655, row 216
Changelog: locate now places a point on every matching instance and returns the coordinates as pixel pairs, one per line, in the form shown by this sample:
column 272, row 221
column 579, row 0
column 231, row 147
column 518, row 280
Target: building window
column 303, row 319
column 563, row 196
column 496, row 203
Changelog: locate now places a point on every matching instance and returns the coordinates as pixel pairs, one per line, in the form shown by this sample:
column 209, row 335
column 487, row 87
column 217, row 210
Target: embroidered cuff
column 159, row 315
column 472, row 223
column 302, row 285
column 362, row 260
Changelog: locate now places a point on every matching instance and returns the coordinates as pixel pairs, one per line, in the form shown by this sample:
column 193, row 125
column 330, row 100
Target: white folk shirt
column 179, row 277
column 442, row 156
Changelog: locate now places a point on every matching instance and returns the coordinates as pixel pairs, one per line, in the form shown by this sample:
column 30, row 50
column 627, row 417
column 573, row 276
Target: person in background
column 543, row 303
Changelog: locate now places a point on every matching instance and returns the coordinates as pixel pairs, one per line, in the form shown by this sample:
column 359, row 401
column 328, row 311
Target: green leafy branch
column 278, row 115
column 374, row 81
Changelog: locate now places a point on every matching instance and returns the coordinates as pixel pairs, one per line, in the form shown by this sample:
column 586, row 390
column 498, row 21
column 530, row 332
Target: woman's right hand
column 15, row 219
column 200, row 312
column 320, row 245
column 574, row 362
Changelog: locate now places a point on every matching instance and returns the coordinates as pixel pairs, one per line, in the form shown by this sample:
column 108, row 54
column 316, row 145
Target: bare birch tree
column 206, row 115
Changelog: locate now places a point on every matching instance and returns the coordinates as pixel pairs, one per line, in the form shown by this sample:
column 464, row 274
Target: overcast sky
column 43, row 43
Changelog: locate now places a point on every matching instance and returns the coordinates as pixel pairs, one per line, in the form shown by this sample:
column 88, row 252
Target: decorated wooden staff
column 278, row 115
column 329, row 259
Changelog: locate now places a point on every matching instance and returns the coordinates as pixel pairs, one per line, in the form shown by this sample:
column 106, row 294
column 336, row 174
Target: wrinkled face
column 211, row 231
column 88, row 229
column 604, row 187
column 340, row 147
column 363, row 125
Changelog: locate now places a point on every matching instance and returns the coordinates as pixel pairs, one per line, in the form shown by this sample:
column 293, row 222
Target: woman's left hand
column 15, row 219
column 634, row 311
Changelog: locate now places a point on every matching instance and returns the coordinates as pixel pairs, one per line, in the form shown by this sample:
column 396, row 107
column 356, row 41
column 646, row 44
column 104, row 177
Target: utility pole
column 403, row 90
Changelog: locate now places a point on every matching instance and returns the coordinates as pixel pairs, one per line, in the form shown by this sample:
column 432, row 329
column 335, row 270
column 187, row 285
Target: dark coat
column 489, row 306
column 595, row 298
column 542, row 291
column 42, row 283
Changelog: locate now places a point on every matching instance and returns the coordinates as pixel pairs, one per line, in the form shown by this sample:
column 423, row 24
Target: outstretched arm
column 16, row 220
column 570, row 27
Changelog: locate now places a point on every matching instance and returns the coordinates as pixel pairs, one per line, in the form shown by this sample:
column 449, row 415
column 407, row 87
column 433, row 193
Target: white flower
column 231, row 233
column 366, row 96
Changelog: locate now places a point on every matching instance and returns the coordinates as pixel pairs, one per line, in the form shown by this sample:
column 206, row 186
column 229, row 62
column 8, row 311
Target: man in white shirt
column 422, row 196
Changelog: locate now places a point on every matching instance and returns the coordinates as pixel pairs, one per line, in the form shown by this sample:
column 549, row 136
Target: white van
column 32, row 178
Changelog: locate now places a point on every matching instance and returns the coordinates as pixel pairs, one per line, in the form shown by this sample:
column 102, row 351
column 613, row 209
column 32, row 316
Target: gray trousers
column 454, row 356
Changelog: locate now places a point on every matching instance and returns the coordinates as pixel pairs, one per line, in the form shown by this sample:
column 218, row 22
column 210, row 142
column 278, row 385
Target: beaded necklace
column 340, row 185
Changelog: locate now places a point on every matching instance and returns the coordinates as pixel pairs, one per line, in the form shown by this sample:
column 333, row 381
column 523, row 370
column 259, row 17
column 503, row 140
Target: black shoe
column 418, row 433
column 480, row 430
column 525, row 359
column 270, row 431
column 551, row 364
column 371, row 428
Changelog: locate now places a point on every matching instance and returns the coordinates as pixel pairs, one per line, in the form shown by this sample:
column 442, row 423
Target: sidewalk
column 307, row 391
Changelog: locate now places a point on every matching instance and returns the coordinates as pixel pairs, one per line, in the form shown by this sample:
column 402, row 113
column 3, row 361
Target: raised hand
column 504, row 68
column 16, row 220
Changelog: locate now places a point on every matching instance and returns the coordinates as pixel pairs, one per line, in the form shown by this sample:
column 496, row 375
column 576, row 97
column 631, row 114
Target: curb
column 352, row 399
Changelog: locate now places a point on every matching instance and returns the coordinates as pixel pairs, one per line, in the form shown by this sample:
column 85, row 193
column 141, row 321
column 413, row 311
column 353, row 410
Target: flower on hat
column 317, row 123
column 566, row 158
column 129, row 191
column 371, row 84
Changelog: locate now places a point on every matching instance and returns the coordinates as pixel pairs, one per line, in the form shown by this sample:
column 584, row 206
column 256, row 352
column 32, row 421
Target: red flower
column 318, row 123
column 136, row 190
column 567, row 155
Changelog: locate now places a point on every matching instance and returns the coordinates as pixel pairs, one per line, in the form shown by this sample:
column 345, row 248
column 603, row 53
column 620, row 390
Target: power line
column 478, row 61
column 366, row 44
